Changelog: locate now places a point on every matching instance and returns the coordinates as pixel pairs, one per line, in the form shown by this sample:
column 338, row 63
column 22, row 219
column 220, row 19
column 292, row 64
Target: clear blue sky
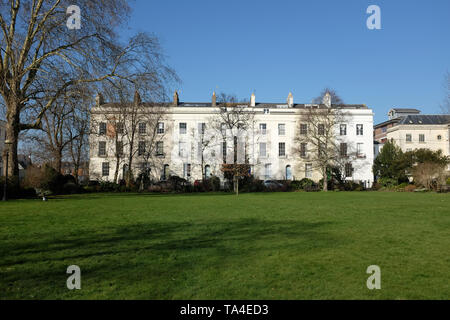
column 273, row 47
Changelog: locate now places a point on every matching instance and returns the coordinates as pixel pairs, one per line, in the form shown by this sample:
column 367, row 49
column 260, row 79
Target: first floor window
column 119, row 128
column 182, row 149
column 360, row 150
column 141, row 148
column 160, row 128
column 105, row 169
column 262, row 149
column 102, row 148
column 321, row 129
column 343, row 130
column 183, row 128
column 142, row 128
column 159, row 148
column 359, row 130
column 102, row 128
column 202, row 128
column 281, row 149
column 119, row 148
column 348, row 170
column 303, row 149
column 281, row 129
column 303, row 129
column 343, row 150
column 308, row 170
column 262, row 128
column 224, row 151
column 408, row 137
column 421, row 138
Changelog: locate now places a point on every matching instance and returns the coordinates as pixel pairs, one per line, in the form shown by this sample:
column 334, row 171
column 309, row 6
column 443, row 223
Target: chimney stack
column 176, row 100
column 137, row 98
column 99, row 99
column 214, row 99
column 290, row 100
column 253, row 100
column 327, row 99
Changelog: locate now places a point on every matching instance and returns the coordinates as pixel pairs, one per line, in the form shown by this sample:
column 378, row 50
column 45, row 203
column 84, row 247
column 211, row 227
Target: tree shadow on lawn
column 193, row 244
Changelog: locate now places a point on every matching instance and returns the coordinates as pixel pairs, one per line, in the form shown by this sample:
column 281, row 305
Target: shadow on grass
column 164, row 247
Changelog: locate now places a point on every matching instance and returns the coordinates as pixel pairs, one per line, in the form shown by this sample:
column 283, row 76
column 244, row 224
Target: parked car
column 272, row 185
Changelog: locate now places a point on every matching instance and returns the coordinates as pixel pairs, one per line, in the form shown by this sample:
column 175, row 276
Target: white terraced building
column 175, row 143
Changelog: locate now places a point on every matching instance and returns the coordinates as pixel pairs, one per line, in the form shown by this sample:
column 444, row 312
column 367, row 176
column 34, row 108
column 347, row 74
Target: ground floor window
column 268, row 170
column 186, row 170
column 308, row 170
column 207, row 172
column 348, row 170
column 288, row 172
column 165, row 173
column 105, row 169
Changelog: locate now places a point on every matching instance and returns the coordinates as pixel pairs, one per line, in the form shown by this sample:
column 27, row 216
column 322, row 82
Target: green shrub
column 387, row 182
column 448, row 181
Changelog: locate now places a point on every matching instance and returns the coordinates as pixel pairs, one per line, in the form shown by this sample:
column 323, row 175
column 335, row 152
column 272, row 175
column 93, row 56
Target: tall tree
column 317, row 140
column 232, row 122
column 335, row 98
column 35, row 40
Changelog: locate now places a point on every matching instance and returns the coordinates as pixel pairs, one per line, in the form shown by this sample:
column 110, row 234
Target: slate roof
column 425, row 119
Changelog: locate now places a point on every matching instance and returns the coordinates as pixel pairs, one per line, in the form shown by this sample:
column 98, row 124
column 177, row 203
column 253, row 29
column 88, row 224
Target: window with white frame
column 263, row 128
column 119, row 148
column 141, row 148
column 160, row 128
column 359, row 130
column 303, row 149
column 105, row 169
column 281, row 149
column 321, row 129
column 102, row 128
column 408, row 137
column 308, row 170
column 343, row 149
column 142, row 128
column 281, row 129
column 268, row 170
column 102, row 148
column 182, row 149
column 421, row 138
column 160, row 148
column 360, row 150
column 119, row 128
column 262, row 149
column 303, row 129
column 186, row 170
column 348, row 170
column 343, row 130
column 183, row 127
column 201, row 128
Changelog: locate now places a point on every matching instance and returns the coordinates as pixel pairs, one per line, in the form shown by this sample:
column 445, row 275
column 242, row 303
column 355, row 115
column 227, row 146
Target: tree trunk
column 12, row 136
column 58, row 160
column 325, row 179
column 116, row 172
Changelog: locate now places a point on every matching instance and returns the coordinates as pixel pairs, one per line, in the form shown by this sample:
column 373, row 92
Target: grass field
column 219, row 246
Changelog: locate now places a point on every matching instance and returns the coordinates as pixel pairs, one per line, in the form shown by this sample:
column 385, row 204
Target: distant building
column 68, row 167
column 422, row 132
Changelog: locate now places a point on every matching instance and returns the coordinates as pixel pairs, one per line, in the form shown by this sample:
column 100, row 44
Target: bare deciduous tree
column 232, row 122
column 317, row 139
column 35, row 41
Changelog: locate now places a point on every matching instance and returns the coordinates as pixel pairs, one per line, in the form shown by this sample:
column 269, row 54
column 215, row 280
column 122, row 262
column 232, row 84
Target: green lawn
column 219, row 246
